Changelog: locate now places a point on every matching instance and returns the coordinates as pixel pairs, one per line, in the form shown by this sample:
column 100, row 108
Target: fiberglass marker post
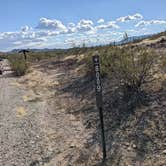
column 99, row 100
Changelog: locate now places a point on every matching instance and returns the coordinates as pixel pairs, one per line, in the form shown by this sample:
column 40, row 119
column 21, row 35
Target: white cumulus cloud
column 136, row 16
column 53, row 33
column 71, row 28
column 100, row 21
column 49, row 24
column 85, row 25
column 110, row 24
column 151, row 22
column 71, row 25
column 25, row 28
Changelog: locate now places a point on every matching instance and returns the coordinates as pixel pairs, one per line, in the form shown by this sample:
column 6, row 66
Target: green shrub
column 163, row 63
column 18, row 64
column 130, row 66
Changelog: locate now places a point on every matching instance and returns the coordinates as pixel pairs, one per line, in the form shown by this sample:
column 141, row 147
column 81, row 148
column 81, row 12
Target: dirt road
column 20, row 131
column 36, row 128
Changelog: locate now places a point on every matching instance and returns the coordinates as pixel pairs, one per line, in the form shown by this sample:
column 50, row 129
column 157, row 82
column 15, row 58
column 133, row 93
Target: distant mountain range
column 124, row 41
column 34, row 50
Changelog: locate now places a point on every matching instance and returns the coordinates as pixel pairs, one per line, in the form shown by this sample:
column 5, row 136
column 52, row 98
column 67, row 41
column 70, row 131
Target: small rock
column 127, row 144
column 72, row 145
column 129, row 148
column 164, row 151
column 134, row 146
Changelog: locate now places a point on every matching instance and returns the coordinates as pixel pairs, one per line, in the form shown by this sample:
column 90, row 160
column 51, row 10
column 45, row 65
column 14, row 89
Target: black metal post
column 99, row 100
column 25, row 56
column 102, row 133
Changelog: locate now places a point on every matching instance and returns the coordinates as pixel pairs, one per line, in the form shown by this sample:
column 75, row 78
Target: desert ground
column 48, row 117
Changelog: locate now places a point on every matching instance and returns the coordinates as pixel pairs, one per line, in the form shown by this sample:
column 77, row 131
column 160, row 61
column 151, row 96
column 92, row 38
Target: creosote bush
column 18, row 64
column 130, row 66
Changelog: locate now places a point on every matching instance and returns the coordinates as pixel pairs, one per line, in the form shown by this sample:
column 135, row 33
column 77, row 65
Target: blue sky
column 68, row 23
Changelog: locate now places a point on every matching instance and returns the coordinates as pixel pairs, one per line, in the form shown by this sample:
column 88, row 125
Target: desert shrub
column 18, row 64
column 37, row 56
column 2, row 56
column 156, row 36
column 130, row 66
column 103, row 52
column 163, row 63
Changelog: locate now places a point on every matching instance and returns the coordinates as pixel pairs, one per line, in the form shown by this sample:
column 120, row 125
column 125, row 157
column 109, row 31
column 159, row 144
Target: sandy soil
column 36, row 125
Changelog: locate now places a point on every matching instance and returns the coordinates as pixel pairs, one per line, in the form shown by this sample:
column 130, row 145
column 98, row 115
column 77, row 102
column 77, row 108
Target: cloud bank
column 53, row 33
column 151, row 22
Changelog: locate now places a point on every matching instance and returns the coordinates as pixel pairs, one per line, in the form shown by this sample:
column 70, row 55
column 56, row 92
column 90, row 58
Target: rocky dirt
column 37, row 125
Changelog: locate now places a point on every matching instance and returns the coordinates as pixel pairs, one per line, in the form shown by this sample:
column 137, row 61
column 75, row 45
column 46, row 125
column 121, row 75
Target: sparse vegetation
column 18, row 64
column 163, row 64
column 130, row 66
column 156, row 36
